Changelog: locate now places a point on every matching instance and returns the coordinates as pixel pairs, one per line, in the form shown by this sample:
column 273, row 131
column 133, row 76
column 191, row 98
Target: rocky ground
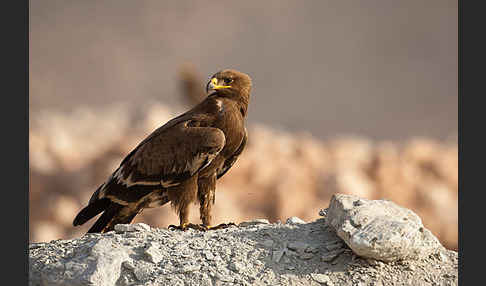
column 253, row 253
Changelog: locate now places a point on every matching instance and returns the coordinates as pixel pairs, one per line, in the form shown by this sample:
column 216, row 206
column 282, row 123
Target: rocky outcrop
column 254, row 253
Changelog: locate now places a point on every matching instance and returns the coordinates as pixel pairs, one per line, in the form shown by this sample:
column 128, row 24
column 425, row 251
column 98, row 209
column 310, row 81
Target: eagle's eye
column 227, row 80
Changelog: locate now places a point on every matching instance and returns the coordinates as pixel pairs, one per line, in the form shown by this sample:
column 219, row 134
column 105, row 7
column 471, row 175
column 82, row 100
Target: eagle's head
column 231, row 81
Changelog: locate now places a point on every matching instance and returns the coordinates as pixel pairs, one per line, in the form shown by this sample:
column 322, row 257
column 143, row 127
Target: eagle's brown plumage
column 180, row 161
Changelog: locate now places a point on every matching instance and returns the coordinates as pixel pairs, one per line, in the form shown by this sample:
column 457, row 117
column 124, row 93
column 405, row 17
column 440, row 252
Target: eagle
column 179, row 162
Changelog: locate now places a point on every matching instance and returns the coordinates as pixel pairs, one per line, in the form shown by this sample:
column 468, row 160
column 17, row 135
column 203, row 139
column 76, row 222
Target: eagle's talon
column 198, row 227
column 221, row 226
column 187, row 226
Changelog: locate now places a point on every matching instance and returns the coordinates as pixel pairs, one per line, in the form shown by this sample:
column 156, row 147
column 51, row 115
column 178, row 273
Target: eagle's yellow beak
column 213, row 85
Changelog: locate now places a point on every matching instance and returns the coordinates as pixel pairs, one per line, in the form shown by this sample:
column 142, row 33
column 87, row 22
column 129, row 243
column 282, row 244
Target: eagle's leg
column 206, row 196
column 184, row 220
column 181, row 198
column 184, row 215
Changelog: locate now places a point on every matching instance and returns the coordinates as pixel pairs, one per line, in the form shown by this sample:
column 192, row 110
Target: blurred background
column 354, row 97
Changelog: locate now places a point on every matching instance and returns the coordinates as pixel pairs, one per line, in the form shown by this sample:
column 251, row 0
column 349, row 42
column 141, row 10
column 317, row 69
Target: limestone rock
column 294, row 220
column 322, row 278
column 97, row 263
column 380, row 229
column 153, row 253
column 132, row 227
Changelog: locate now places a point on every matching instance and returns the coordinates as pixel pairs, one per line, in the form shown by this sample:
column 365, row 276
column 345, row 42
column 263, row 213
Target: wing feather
column 174, row 155
column 166, row 158
column 228, row 163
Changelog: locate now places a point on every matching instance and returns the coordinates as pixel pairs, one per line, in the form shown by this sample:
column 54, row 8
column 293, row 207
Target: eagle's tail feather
column 91, row 210
column 113, row 215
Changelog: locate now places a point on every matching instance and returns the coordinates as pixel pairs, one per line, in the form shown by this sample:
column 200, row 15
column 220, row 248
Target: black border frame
column 470, row 76
column 15, row 143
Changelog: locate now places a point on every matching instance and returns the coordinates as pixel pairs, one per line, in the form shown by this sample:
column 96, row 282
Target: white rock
column 443, row 257
column 132, row 227
column 128, row 265
column 101, row 266
column 109, row 260
column 322, row 278
column 380, row 229
column 236, row 266
column 153, row 253
column 190, row 267
column 294, row 220
column 208, row 254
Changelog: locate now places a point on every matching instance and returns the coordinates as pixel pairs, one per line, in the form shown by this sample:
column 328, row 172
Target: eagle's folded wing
column 228, row 163
column 169, row 157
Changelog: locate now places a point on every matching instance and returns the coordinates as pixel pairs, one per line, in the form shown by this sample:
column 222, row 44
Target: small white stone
column 294, row 220
column 443, row 257
column 122, row 227
column 191, row 268
column 411, row 267
column 322, row 278
column 208, row 254
column 236, row 266
column 141, row 227
column 128, row 265
column 154, row 254
column 132, row 227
